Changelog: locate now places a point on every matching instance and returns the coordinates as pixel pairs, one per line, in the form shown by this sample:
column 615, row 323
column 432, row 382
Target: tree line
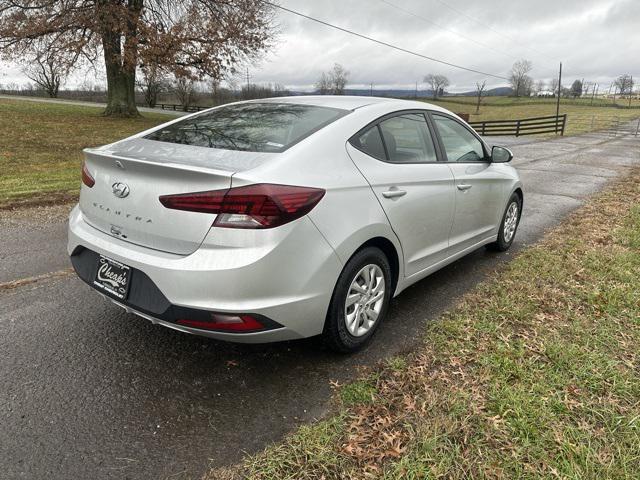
column 190, row 40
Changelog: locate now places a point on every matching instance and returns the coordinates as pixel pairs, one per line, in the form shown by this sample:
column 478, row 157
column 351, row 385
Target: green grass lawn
column 41, row 147
column 534, row 375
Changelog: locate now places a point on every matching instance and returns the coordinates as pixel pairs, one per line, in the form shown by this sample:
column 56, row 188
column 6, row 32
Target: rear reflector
column 254, row 206
column 87, row 179
column 226, row 323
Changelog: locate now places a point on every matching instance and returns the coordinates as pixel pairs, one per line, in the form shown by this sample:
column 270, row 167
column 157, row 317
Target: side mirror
column 501, row 155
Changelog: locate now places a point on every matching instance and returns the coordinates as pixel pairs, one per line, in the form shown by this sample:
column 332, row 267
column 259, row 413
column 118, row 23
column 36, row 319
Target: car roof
column 350, row 102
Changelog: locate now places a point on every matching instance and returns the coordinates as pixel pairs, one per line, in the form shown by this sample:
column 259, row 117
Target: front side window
column 407, row 139
column 459, row 143
column 250, row 127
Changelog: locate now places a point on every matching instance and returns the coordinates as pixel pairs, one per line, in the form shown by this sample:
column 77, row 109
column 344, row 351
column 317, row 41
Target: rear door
column 398, row 158
column 479, row 185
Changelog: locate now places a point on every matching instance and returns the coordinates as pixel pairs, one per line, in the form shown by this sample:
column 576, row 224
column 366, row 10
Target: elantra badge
column 120, row 189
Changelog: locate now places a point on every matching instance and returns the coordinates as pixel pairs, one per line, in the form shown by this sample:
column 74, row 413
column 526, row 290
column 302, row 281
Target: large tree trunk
column 120, row 68
column 121, row 95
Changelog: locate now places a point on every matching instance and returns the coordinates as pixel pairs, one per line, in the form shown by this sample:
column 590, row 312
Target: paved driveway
column 87, row 391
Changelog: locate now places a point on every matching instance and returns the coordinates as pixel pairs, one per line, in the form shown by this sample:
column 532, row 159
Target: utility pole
column 593, row 95
column 371, row 90
column 630, row 89
column 415, row 95
column 558, row 99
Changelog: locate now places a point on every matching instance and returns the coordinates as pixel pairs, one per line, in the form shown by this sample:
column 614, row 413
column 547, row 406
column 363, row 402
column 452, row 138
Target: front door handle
column 464, row 186
column 394, row 193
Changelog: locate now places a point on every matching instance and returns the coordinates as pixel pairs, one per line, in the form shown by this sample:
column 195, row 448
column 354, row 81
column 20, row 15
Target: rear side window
column 408, row 139
column 459, row 143
column 250, row 127
column 370, row 142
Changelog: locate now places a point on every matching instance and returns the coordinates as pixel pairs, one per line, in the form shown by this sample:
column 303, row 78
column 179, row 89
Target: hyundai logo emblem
column 120, row 189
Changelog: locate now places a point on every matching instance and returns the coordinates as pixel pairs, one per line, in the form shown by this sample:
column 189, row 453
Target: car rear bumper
column 285, row 275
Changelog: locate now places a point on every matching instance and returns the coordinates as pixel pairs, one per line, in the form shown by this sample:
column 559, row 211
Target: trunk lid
column 130, row 176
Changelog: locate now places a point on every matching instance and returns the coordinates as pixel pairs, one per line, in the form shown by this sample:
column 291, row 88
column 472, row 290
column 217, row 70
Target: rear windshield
column 250, row 127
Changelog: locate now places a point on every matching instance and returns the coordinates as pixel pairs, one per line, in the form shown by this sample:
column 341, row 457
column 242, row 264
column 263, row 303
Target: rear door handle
column 394, row 193
column 464, row 186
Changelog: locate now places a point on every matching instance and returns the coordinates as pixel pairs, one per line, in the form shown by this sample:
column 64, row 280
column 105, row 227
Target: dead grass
column 535, row 374
column 41, row 143
column 582, row 117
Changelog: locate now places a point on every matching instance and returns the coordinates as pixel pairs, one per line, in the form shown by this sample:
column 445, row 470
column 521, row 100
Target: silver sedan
column 290, row 217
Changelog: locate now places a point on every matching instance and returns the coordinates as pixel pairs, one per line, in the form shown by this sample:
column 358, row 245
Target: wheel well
column 391, row 253
column 518, row 192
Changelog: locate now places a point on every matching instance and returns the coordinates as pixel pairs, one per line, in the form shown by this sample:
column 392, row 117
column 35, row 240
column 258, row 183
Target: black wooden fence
column 180, row 108
column 525, row 126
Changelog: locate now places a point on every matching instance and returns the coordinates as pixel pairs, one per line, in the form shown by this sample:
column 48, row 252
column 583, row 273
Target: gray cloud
column 596, row 39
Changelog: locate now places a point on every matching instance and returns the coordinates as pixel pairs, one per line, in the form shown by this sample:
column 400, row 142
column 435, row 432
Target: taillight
column 87, row 179
column 226, row 323
column 254, row 206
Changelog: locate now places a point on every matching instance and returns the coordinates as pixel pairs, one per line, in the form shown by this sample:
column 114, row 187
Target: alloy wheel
column 510, row 222
column 365, row 300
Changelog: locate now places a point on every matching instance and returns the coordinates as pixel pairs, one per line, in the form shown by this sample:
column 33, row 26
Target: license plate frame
column 112, row 277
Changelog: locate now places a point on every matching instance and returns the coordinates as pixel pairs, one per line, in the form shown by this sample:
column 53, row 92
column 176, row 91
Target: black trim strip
column 145, row 297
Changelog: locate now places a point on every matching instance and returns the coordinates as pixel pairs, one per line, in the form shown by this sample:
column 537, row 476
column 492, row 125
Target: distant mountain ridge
column 405, row 93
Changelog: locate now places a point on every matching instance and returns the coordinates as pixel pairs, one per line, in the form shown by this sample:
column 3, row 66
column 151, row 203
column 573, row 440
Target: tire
column 506, row 235
column 349, row 327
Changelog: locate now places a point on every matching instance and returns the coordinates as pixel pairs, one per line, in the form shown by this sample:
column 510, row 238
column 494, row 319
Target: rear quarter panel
column 349, row 214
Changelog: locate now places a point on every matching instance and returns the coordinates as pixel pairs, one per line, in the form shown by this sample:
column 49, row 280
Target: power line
column 380, row 42
column 424, row 19
column 488, row 27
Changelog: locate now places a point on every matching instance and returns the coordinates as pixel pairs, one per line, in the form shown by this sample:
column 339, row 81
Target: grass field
column 41, row 143
column 582, row 117
column 41, row 147
column 533, row 376
column 620, row 104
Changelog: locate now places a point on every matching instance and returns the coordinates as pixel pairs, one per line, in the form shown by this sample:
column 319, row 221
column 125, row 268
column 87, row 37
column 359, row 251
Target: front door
column 479, row 186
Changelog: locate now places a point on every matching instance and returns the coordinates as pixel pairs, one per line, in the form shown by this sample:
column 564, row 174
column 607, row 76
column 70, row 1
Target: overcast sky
column 595, row 39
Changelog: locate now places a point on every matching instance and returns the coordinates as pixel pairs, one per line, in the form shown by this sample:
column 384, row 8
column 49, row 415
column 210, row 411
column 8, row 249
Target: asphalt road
column 87, row 391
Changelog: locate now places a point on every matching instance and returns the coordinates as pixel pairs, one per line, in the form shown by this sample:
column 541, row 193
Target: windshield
column 250, row 127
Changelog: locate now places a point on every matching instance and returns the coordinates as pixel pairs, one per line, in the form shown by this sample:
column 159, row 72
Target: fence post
column 564, row 124
column 484, row 124
column 518, row 128
column 638, row 128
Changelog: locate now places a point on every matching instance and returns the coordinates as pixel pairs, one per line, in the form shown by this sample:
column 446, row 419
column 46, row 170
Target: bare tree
column 190, row 38
column 624, row 84
column 553, row 86
column 184, row 89
column 479, row 91
column 152, row 83
column 339, row 76
column 323, row 85
column 437, row 83
column 47, row 71
column 519, row 78
column 540, row 86
column 333, row 82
